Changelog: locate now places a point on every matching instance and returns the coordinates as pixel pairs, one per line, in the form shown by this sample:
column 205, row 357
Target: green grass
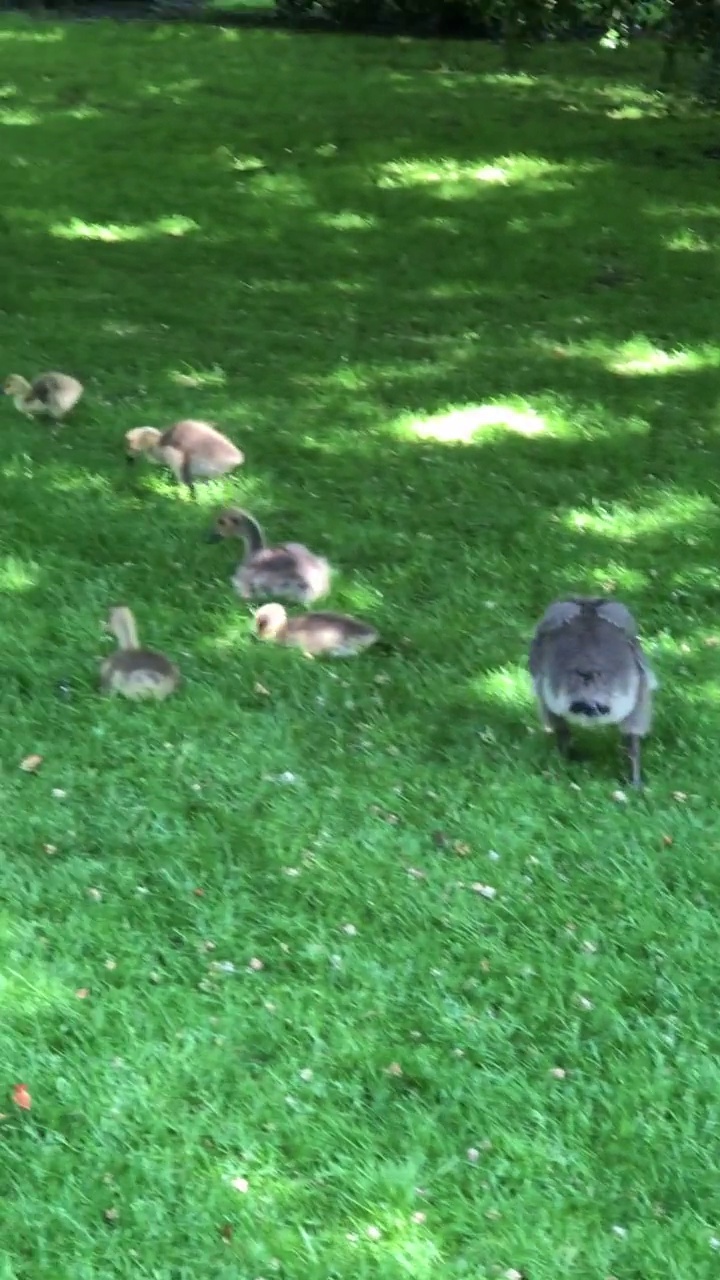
column 465, row 326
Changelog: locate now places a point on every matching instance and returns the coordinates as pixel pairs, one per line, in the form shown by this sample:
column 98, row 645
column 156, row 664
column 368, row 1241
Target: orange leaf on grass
column 21, row 1097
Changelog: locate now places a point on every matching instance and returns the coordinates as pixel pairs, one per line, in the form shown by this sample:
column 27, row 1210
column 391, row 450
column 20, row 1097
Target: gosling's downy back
column 131, row 671
column 587, row 663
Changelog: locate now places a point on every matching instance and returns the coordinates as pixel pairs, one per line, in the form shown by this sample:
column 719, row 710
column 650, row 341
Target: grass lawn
column 465, row 326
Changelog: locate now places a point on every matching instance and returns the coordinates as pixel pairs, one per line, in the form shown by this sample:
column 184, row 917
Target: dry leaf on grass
column 31, row 764
column 21, row 1097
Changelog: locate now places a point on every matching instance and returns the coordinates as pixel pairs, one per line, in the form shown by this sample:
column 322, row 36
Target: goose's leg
column 563, row 739
column 632, row 743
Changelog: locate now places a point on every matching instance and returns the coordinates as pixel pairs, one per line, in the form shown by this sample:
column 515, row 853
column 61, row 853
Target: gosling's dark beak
column 213, row 536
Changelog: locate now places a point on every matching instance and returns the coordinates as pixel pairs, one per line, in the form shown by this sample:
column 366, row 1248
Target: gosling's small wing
column 44, row 388
column 277, row 570
column 557, row 616
column 335, row 630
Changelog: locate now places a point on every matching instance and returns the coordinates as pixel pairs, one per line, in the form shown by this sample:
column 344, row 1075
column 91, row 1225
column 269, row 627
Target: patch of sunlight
column 174, row 224
column 618, row 579
column 75, row 481
column 8, row 91
column 121, row 328
column 519, row 78
column 507, row 686
column 461, row 425
column 688, row 241
column 347, row 376
column 293, row 189
column 84, row 113
column 16, row 575
column 237, row 633
column 240, row 163
column 17, row 116
column 361, row 598
column 173, row 88
column 215, row 377
column 625, row 522
column 706, row 693
column 641, row 357
column 347, row 221
column 34, row 37
column 449, row 175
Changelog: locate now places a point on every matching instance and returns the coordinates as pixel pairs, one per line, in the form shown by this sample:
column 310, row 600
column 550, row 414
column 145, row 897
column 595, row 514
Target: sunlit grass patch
column 450, row 179
column 174, row 224
column 464, row 425
column 649, row 516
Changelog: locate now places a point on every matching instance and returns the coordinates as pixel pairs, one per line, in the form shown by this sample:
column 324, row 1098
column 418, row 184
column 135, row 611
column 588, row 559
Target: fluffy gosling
column 333, row 634
column 192, row 450
column 290, row 570
column 132, row 671
column 51, row 395
column 588, row 669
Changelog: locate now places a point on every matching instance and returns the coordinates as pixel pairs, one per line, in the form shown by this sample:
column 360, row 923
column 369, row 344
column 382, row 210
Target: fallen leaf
column 226, row 1231
column 240, row 1184
column 260, row 688
column 21, row 1097
column 667, row 840
column 31, row 763
column 50, row 849
column 111, row 1216
column 199, row 893
column 394, row 1069
column 82, row 993
column 461, row 849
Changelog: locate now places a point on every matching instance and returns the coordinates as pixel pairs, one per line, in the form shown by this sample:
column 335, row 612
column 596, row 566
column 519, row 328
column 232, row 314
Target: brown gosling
column 588, row 669
column 192, row 450
column 132, row 671
column 290, row 570
column 334, row 634
column 51, row 395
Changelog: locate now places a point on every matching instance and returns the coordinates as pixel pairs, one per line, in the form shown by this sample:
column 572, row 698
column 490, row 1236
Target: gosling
column 290, row 570
column 131, row 671
column 333, row 634
column 588, row 669
column 192, row 450
column 51, row 395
